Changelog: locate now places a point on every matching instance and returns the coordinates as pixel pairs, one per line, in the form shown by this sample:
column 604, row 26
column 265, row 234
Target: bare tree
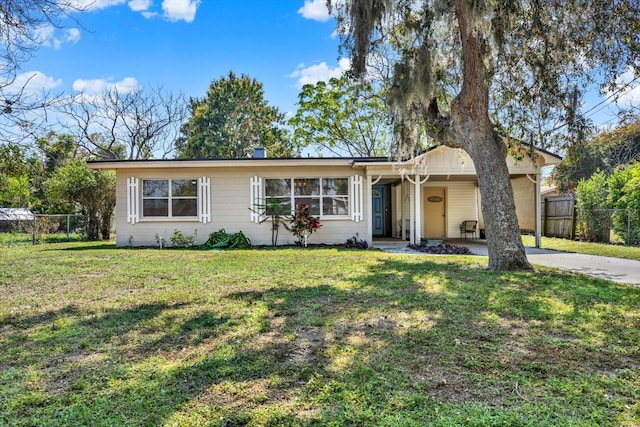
column 117, row 124
column 21, row 109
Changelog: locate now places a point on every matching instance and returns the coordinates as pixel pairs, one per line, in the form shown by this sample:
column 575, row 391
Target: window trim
column 169, row 199
column 320, row 197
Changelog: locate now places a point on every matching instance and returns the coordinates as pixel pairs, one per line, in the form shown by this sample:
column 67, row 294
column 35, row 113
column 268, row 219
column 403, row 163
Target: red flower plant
column 303, row 224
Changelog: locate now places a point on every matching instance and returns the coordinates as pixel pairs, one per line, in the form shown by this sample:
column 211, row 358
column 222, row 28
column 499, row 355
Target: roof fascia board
column 165, row 164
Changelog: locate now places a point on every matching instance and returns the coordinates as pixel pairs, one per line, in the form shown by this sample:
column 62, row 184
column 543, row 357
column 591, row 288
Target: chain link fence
column 43, row 228
column 561, row 218
column 621, row 226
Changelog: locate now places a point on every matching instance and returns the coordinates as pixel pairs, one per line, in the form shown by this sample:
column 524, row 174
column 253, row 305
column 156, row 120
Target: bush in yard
column 272, row 210
column 593, row 220
column 354, row 242
column 303, row 224
column 221, row 239
column 181, row 240
column 624, row 197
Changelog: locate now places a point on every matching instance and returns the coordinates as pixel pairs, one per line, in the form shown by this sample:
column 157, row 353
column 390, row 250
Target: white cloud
column 180, row 10
column 632, row 97
column 94, row 86
column 44, row 35
column 315, row 10
column 32, row 82
column 173, row 10
column 49, row 36
column 72, row 35
column 94, row 4
column 139, row 5
column 629, row 89
column 319, row 72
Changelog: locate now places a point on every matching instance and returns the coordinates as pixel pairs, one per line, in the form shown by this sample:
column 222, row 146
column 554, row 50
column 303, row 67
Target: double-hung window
column 325, row 196
column 278, row 192
column 335, row 196
column 170, row 198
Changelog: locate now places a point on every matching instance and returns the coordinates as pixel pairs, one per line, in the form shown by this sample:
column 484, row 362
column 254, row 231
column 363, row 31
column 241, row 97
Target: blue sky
column 183, row 45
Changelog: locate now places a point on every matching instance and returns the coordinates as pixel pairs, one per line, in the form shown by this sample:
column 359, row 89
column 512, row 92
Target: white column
column 403, row 225
column 368, row 211
column 412, row 219
column 538, row 211
column 418, row 215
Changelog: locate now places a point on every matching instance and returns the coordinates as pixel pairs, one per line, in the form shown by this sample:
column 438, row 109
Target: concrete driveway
column 614, row 269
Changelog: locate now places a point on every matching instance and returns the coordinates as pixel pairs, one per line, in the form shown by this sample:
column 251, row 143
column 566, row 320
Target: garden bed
column 442, row 249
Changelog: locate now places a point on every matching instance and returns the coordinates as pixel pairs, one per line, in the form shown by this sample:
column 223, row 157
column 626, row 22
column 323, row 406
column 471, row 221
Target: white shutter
column 204, row 199
column 357, row 199
column 255, row 198
column 133, row 200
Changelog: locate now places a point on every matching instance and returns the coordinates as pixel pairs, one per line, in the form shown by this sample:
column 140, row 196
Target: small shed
column 15, row 218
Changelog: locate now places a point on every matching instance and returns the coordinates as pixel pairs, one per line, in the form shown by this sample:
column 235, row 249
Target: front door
column 377, row 192
column 435, row 219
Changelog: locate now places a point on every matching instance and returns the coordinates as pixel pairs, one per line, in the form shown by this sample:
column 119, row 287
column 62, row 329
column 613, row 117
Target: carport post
column 418, row 216
column 412, row 219
column 369, row 205
column 538, row 211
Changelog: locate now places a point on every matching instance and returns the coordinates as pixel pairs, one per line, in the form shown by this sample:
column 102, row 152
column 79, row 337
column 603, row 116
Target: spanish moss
column 364, row 16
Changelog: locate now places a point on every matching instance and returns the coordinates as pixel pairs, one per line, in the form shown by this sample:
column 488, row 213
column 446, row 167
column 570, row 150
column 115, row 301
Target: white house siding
column 460, row 203
column 230, row 200
column 447, row 161
column 464, row 201
column 524, row 194
column 454, row 161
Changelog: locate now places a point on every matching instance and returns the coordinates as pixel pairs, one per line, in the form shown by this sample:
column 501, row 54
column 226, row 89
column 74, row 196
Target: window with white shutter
column 255, row 198
column 204, row 199
column 133, row 200
column 357, row 198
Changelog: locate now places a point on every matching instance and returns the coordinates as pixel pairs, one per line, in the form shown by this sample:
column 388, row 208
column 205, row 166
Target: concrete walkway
column 614, row 269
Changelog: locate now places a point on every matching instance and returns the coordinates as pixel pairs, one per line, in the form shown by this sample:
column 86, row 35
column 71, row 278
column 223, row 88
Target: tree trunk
column 506, row 251
column 105, row 226
column 93, row 226
column 473, row 131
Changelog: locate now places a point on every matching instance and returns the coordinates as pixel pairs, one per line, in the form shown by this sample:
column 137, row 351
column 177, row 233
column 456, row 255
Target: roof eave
column 216, row 163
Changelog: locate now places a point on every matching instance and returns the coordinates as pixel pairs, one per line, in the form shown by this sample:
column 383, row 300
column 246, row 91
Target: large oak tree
column 463, row 65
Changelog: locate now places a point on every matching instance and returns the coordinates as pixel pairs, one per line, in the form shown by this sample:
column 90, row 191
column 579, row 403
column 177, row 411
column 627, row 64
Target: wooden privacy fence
column 559, row 216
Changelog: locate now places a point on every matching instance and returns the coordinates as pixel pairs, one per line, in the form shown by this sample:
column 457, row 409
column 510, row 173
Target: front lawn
column 92, row 335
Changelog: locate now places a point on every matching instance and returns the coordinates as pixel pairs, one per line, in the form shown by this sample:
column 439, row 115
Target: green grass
column 92, row 335
column 616, row 251
column 23, row 239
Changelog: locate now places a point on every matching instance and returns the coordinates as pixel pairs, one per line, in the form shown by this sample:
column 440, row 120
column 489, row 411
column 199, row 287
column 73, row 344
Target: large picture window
column 325, row 196
column 170, row 198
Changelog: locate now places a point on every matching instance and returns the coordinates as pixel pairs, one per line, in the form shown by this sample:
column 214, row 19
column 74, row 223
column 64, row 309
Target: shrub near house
column 303, row 224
